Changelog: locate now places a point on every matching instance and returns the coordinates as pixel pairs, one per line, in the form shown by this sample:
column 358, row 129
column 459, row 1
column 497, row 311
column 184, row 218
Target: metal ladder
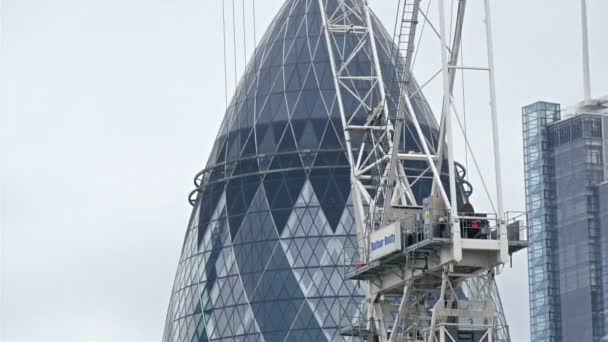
column 405, row 36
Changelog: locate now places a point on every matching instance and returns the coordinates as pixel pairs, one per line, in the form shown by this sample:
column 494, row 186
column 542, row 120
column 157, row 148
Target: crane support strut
column 428, row 260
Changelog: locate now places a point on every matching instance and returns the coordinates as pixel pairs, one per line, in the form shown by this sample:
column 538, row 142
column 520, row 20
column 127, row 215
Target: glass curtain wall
column 577, row 148
column 540, row 207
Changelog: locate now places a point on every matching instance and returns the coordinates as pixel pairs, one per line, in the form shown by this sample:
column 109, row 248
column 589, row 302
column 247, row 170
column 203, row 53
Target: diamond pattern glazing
column 272, row 229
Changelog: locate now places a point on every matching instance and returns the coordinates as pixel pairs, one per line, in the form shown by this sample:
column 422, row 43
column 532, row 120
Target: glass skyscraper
column 540, row 205
column 272, row 231
column 565, row 167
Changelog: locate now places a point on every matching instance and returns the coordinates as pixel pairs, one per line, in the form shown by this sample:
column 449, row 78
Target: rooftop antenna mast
column 589, row 104
column 417, row 255
column 586, row 67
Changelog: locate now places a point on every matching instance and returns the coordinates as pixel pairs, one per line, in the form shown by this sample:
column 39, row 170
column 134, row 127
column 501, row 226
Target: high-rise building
column 540, row 205
column 272, row 232
column 565, row 171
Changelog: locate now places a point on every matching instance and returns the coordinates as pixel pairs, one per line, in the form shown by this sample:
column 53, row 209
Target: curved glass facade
column 272, row 228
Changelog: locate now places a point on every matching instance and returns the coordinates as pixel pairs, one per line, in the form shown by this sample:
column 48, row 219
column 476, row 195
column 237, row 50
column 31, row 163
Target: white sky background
column 108, row 109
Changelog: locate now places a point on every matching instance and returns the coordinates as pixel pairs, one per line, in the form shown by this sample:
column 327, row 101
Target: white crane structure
column 417, row 256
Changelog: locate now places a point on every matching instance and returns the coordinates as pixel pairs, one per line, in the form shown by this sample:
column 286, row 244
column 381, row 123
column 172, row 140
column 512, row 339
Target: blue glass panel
column 266, row 138
column 332, row 187
column 239, row 194
column 219, row 150
column 202, row 336
column 306, row 103
column 282, row 190
column 209, row 199
column 286, row 162
column 270, row 304
column 330, row 138
column 217, row 245
column 249, row 148
column 308, row 132
column 299, row 45
column 331, row 159
column 245, row 166
column 278, row 128
column 287, row 142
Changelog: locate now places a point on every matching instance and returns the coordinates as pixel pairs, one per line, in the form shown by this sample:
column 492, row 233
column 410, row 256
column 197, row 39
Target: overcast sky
column 109, row 107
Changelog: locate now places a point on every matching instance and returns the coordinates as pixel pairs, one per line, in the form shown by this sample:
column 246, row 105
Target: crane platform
column 375, row 268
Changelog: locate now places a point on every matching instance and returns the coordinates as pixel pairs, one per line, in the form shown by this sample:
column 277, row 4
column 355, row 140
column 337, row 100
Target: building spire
column 586, row 68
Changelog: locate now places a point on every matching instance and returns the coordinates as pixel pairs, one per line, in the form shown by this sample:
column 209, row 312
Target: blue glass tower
column 272, row 228
column 566, row 196
column 543, row 276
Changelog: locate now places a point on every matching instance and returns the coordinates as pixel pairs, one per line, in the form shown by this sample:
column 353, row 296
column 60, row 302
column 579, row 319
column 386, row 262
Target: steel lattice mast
column 437, row 255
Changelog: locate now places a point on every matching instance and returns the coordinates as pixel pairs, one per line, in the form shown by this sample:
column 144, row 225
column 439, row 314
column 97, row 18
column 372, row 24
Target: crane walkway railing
column 428, row 232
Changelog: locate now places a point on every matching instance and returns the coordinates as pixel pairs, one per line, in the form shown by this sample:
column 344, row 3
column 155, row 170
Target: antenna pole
column 586, row 71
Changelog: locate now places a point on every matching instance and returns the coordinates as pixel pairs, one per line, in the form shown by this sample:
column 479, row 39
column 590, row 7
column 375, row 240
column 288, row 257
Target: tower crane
column 416, row 254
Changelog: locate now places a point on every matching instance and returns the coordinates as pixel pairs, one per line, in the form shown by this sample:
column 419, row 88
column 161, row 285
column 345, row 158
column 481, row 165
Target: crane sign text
column 385, row 241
